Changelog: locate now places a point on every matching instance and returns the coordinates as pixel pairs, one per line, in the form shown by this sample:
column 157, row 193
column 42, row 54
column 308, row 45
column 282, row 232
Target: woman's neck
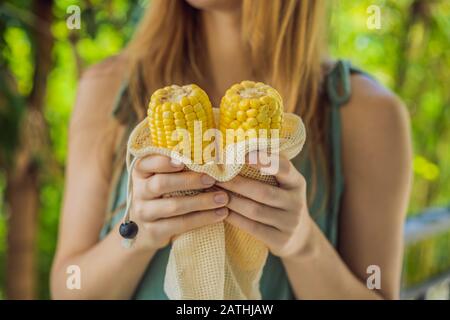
column 228, row 58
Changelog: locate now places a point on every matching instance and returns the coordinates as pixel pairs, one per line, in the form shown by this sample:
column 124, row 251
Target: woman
column 340, row 206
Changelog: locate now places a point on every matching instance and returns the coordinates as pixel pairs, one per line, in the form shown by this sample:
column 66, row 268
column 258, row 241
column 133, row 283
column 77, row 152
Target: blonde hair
column 285, row 40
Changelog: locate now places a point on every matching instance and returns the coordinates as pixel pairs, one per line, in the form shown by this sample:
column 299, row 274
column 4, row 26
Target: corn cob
column 251, row 106
column 175, row 107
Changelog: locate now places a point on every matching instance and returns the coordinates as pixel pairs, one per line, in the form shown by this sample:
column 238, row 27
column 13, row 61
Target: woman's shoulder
column 97, row 90
column 375, row 126
column 112, row 68
column 371, row 107
column 367, row 95
column 93, row 131
column 372, row 104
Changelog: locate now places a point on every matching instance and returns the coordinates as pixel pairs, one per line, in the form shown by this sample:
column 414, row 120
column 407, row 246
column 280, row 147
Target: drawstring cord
column 128, row 229
column 130, row 166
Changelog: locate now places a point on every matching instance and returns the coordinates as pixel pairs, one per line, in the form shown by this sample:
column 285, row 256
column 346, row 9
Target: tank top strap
column 120, row 110
column 338, row 91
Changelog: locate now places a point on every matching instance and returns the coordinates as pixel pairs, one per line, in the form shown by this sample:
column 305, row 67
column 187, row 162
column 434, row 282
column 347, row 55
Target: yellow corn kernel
column 180, row 123
column 263, row 118
column 190, row 116
column 167, row 115
column 193, row 100
column 247, row 84
column 178, row 107
column 234, row 124
column 251, row 106
column 246, row 126
column 252, row 113
column 244, row 105
column 237, row 87
column 201, row 115
column 275, row 126
column 184, row 102
column 178, row 115
column 169, row 127
column 276, row 119
column 241, row 116
column 168, row 121
column 254, row 103
column 198, row 107
column 252, row 122
column 264, row 109
column 188, row 109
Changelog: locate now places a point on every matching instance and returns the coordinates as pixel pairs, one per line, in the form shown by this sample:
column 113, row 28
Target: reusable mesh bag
column 218, row 261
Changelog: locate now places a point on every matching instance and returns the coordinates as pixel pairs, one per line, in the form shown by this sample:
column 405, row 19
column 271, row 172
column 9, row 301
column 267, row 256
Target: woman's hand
column 278, row 216
column 160, row 217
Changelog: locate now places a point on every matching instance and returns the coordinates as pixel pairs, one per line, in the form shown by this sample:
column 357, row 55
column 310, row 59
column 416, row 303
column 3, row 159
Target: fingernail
column 207, row 180
column 221, row 211
column 220, row 198
column 176, row 163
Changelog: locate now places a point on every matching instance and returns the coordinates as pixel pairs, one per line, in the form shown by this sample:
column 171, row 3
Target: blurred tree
column 22, row 171
column 42, row 62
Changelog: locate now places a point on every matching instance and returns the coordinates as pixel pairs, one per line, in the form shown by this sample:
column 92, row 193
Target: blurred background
column 41, row 60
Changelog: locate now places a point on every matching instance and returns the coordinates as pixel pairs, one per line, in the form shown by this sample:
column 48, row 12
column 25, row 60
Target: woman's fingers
column 163, row 183
column 169, row 227
column 288, row 176
column 169, row 207
column 149, row 165
column 279, row 166
column 256, row 190
column 260, row 231
column 258, row 212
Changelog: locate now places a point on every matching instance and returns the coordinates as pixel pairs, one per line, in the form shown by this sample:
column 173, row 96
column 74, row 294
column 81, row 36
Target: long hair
column 284, row 38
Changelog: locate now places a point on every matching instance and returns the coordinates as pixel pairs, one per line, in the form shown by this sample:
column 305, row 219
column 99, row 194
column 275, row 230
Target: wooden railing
column 428, row 224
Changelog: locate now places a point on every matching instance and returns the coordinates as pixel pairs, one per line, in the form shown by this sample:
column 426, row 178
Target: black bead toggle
column 128, row 230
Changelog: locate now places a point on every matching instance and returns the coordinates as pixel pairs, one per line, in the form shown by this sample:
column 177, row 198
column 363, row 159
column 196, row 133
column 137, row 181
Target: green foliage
column 409, row 54
column 426, row 258
column 19, row 57
column 106, row 27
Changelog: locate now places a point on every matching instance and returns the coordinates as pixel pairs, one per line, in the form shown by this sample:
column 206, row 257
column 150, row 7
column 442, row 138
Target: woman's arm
column 92, row 133
column 376, row 155
column 377, row 166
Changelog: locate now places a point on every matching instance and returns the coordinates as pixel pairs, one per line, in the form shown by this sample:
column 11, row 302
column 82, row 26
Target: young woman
column 340, row 206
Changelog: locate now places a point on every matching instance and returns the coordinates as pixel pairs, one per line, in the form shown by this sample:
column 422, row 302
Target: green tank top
column 324, row 208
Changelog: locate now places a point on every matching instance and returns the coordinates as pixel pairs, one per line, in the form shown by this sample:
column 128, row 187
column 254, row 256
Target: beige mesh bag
column 218, row 261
